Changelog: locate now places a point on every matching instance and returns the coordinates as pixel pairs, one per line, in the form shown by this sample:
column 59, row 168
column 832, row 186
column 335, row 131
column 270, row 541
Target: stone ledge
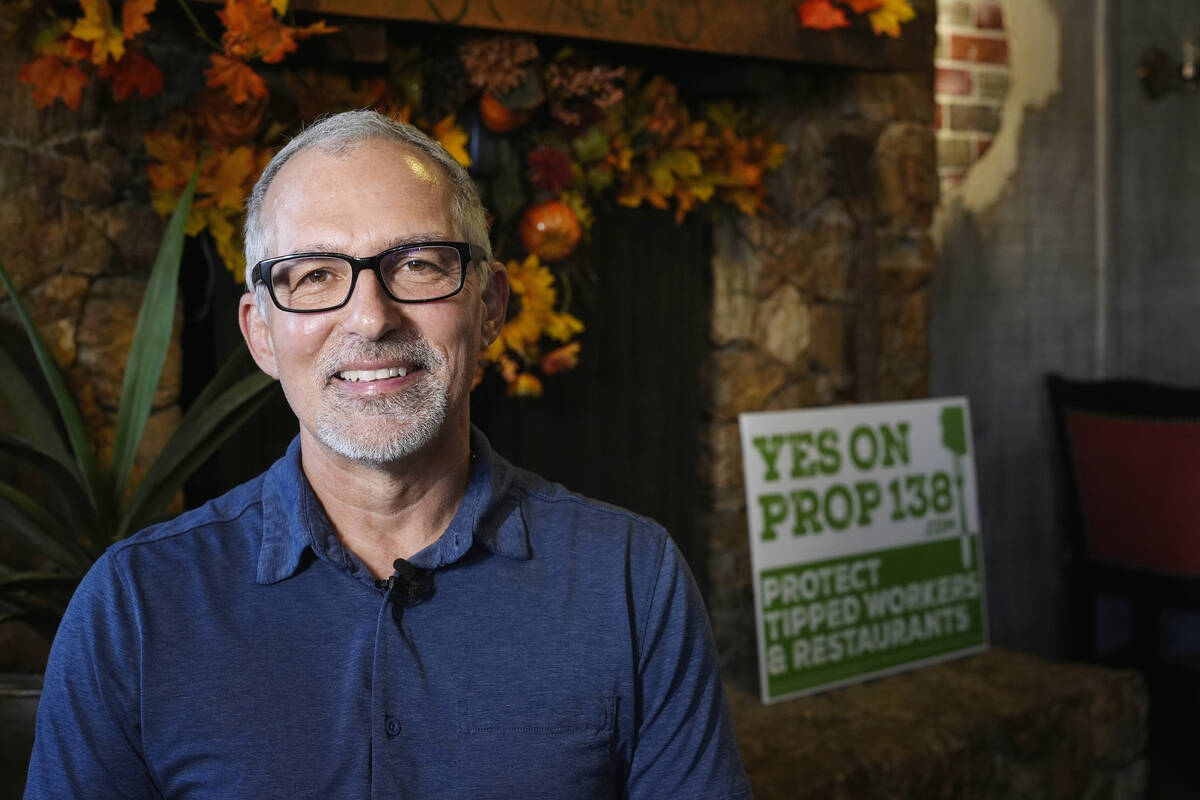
column 998, row 725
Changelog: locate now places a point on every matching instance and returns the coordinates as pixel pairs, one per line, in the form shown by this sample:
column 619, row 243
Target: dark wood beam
column 754, row 28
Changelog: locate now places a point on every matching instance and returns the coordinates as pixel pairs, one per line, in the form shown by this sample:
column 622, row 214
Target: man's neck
column 385, row 512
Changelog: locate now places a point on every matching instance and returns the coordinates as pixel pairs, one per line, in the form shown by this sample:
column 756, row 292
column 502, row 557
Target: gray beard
column 385, row 429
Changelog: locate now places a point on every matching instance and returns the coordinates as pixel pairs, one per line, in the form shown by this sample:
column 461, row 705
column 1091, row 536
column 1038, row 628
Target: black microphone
column 410, row 585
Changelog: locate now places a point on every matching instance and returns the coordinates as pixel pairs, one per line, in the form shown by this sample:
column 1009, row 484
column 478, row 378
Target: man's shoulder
column 235, row 509
column 552, row 508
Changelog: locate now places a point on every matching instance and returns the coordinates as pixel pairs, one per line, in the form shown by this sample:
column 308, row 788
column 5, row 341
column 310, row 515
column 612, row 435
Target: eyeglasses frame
column 467, row 254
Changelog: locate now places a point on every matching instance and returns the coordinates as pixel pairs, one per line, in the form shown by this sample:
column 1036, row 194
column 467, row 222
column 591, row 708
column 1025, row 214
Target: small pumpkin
column 498, row 117
column 549, row 230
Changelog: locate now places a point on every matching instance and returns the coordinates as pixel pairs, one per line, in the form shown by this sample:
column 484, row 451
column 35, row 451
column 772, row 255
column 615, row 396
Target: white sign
column 864, row 542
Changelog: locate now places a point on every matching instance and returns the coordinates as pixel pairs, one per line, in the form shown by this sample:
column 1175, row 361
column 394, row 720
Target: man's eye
column 313, row 277
column 417, row 265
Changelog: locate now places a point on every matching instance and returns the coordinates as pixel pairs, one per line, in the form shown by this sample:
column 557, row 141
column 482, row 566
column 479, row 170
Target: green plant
column 80, row 508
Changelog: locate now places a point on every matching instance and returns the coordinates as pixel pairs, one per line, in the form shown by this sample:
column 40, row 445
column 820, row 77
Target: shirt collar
column 294, row 522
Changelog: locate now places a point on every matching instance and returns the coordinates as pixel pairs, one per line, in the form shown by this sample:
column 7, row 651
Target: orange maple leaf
column 52, row 79
column 225, row 176
column 821, row 15
column 133, row 17
column 176, row 151
column 235, row 76
column 134, row 72
column 96, row 27
column 253, row 31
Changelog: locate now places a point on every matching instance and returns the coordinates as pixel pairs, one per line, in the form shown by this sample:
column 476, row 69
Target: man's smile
column 364, row 375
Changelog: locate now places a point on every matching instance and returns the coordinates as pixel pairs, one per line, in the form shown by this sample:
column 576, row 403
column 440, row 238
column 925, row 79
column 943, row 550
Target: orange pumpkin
column 549, row 230
column 498, row 117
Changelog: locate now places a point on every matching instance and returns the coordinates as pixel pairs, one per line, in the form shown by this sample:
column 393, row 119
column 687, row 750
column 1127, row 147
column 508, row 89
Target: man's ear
column 495, row 303
column 257, row 335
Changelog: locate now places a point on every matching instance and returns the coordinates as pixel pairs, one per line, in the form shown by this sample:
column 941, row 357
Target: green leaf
column 27, row 410
column 24, row 517
column 217, row 413
column 528, row 95
column 63, row 484
column 76, row 432
column 21, row 581
column 150, row 341
column 508, row 194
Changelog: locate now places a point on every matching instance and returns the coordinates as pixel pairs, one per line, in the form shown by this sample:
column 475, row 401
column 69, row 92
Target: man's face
column 375, row 380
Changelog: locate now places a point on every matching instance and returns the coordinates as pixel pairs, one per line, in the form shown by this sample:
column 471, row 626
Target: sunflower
column 532, row 317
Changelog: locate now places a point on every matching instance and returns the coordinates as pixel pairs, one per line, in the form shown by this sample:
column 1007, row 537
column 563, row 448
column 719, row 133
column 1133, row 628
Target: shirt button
column 392, row 726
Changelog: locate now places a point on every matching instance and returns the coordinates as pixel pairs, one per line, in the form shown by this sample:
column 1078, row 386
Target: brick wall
column 971, row 84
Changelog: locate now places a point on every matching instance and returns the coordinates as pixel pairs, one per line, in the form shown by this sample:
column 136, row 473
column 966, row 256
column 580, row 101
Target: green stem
column 203, row 34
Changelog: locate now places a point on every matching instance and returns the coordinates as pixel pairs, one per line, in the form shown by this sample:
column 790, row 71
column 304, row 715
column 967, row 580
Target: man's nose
column 370, row 312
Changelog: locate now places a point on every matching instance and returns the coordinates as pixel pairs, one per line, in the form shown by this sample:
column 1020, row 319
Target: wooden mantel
column 754, row 28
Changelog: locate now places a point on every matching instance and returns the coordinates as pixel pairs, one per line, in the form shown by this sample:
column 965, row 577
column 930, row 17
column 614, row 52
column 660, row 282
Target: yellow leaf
column 97, row 27
column 280, row 6
column 225, row 176
column 525, row 385
column 563, row 326
column 672, row 164
column 888, row 18
column 224, row 233
column 454, row 139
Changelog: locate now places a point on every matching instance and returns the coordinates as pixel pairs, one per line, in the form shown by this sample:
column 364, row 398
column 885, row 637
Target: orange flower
column 564, row 358
column 239, row 81
column 52, row 80
column 134, row 72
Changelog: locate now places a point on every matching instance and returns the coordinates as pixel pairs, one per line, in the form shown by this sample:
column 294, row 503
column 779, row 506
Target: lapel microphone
column 410, row 585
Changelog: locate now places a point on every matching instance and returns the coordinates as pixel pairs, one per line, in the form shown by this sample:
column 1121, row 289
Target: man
column 392, row 610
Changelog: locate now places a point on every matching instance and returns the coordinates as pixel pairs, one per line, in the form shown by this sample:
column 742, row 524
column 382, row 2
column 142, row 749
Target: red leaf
column 134, row 72
column 821, row 15
column 54, row 80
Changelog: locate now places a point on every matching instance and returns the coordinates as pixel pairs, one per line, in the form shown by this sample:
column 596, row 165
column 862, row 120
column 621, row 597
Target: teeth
column 361, row 375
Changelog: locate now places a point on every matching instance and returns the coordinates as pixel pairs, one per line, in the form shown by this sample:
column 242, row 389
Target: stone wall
column 789, row 308
column 78, row 239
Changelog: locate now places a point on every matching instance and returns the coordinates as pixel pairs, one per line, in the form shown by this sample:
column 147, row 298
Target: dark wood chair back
column 1129, row 456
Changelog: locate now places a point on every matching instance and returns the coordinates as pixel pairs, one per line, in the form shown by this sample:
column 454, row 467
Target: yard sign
column 864, row 542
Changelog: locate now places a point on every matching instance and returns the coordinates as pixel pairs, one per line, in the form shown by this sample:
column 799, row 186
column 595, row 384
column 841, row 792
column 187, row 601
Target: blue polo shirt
column 240, row 651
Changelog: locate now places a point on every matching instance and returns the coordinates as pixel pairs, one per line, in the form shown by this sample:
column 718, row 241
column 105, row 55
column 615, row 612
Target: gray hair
column 341, row 134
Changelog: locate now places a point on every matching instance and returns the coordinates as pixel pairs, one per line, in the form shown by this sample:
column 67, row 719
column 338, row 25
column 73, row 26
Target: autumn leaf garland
column 886, row 16
column 72, row 53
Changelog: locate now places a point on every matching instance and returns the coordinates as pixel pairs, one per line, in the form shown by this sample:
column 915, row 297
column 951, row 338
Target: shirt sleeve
column 88, row 737
column 686, row 748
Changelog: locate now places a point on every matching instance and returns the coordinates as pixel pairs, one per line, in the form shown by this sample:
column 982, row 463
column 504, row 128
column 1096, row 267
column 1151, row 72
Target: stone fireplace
column 822, row 301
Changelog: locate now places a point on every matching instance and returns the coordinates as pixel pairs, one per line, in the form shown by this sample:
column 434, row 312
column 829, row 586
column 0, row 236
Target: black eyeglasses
column 413, row 273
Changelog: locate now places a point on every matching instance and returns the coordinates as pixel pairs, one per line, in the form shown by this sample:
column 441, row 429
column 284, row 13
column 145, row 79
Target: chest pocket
column 539, row 745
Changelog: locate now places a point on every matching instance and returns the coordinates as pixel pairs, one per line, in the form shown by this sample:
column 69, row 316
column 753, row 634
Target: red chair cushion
column 1139, row 487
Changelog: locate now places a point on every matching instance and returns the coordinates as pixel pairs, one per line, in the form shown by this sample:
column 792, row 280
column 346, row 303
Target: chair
column 1130, row 478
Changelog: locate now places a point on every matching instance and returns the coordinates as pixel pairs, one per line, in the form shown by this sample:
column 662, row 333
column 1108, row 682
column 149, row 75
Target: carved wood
column 757, row 28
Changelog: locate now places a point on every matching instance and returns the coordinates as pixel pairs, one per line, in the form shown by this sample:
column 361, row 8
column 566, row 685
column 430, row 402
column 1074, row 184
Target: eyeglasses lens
column 308, row 283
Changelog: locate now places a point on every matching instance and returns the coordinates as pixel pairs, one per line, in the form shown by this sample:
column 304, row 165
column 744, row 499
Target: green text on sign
column 830, row 621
